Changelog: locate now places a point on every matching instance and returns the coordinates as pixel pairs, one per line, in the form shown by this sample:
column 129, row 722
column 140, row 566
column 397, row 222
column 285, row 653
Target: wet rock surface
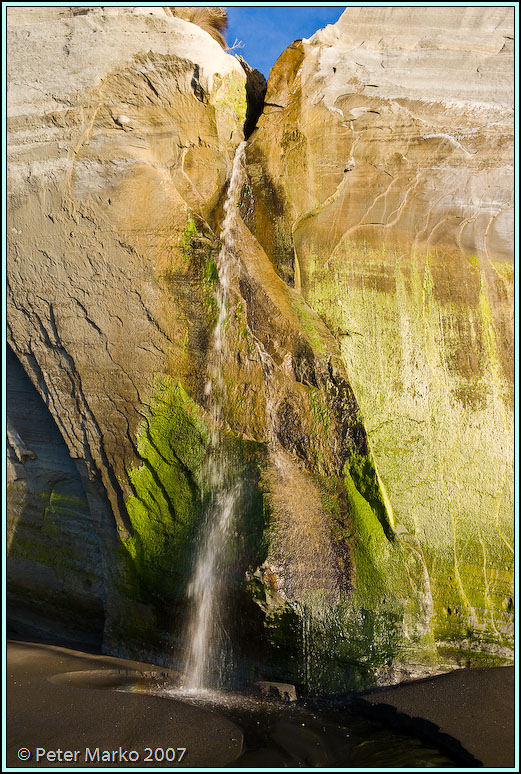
column 283, row 691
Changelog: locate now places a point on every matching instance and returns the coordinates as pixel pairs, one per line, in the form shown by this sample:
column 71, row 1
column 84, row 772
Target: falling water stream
column 206, row 636
column 271, row 733
column 209, row 655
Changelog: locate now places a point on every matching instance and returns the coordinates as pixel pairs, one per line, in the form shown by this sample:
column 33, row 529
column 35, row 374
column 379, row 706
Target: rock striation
column 370, row 322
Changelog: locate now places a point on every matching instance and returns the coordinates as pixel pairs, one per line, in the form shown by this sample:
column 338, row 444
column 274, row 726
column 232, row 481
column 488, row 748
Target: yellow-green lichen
column 427, row 374
column 306, row 322
column 231, row 96
column 189, row 233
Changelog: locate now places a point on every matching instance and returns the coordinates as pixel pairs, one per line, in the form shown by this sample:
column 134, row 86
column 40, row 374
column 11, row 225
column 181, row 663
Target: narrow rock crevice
column 256, row 86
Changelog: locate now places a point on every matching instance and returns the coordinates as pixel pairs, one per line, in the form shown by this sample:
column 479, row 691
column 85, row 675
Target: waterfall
column 206, row 635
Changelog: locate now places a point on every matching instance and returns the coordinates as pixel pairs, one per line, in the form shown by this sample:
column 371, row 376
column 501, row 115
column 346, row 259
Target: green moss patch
column 363, row 475
column 172, row 442
column 170, row 498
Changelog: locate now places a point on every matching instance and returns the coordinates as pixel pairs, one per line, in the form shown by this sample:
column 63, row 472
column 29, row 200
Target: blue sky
column 267, row 31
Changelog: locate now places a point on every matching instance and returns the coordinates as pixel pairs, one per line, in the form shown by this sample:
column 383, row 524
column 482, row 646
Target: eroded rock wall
column 121, row 125
column 382, row 180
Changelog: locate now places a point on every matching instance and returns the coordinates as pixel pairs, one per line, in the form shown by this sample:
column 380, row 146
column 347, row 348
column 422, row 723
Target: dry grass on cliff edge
column 213, row 20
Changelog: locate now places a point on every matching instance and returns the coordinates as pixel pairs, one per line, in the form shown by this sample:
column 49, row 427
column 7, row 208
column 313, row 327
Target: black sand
column 68, row 717
column 49, row 709
column 476, row 707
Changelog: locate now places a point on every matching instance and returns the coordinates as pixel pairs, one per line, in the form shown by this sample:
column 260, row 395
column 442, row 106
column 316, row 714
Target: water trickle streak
column 207, row 592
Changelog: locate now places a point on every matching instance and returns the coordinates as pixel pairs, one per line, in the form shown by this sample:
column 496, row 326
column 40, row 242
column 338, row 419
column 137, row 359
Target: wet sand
column 61, row 699
column 61, row 715
column 474, row 707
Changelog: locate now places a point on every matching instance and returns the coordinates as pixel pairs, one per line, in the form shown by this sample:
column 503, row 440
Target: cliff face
column 368, row 540
column 383, row 184
column 122, row 125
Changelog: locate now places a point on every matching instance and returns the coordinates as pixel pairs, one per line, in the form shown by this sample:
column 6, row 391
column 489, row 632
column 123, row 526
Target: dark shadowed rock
column 256, row 86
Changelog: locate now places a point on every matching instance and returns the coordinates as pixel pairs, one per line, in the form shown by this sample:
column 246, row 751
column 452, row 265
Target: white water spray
column 206, row 634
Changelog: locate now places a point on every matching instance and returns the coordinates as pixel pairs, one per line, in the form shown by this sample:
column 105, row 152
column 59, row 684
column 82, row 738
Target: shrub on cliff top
column 213, row 20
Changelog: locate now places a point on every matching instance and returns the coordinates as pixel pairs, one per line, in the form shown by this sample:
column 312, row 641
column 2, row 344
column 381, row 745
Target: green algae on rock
column 165, row 500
